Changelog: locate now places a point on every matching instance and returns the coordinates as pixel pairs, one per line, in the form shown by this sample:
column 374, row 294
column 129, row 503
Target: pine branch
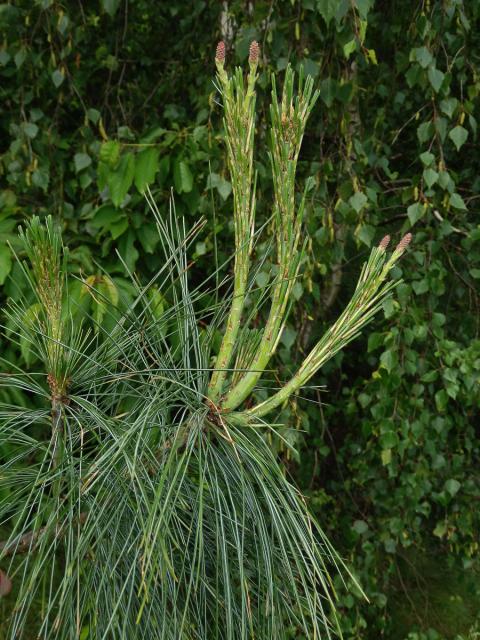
column 239, row 106
column 289, row 119
column 371, row 291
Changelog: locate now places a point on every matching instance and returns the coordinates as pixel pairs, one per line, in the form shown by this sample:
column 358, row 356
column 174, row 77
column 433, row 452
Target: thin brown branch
column 28, row 542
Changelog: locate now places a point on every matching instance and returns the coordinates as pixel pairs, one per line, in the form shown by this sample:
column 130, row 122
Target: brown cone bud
column 220, row 53
column 384, row 242
column 404, row 242
column 254, row 52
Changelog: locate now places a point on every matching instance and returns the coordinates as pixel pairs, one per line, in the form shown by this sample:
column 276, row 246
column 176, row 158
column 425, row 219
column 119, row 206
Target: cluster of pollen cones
column 401, row 246
column 253, row 56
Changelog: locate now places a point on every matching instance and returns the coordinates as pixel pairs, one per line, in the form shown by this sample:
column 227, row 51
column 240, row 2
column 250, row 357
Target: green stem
column 266, row 349
column 58, row 427
column 232, row 328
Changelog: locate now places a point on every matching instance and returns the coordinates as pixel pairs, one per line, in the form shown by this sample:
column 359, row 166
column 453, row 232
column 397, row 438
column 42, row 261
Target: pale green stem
column 232, row 328
column 266, row 349
column 58, row 426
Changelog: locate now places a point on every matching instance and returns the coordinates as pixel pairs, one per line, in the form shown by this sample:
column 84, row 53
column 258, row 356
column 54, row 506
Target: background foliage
column 101, row 98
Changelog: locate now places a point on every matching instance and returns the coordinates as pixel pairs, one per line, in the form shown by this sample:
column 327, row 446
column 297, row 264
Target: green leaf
column 415, row 212
column 448, row 106
column 366, row 233
column 472, row 121
column 5, row 262
column 118, row 227
column 390, row 307
column 430, row 176
column 386, row 456
column 85, row 633
column 445, row 181
column 152, row 135
column 109, row 290
column 441, row 125
column 349, row 48
column 146, row 167
column 427, row 158
column 328, row 91
column 127, row 250
column 30, row 129
column 388, row 440
column 372, row 56
column 425, row 131
column 452, row 486
column 436, row 78
column 360, row 526
column 110, row 6
column 327, row 9
column 58, row 76
column 110, row 219
column 430, row 376
column 41, row 178
column 218, row 182
column 183, row 177
column 148, row 236
column 262, row 279
column 441, row 400
column 363, row 7
column 422, row 55
column 457, row 201
column 458, row 135
column 81, row 161
column 164, row 169
column 120, row 180
column 98, row 308
column 105, row 215
column 420, row 286
column 93, row 115
column 157, row 302
column 440, row 529
column 389, row 360
column 20, row 57
column 358, row 201
column 375, row 340
column 364, row 400
column 110, row 152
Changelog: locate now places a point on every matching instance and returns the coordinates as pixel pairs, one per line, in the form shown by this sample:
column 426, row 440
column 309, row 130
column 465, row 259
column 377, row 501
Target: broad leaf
column 458, row 135
column 5, row 262
column 146, row 167
column 436, row 78
column 81, row 161
column 415, row 212
column 183, row 177
column 120, row 180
